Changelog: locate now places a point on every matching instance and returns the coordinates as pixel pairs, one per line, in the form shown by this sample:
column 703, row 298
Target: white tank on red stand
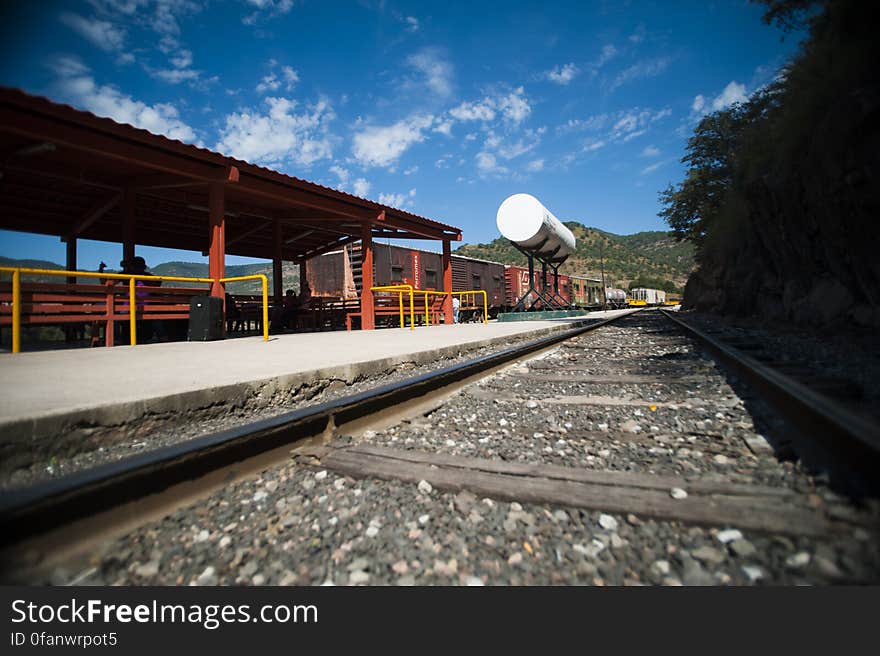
column 525, row 221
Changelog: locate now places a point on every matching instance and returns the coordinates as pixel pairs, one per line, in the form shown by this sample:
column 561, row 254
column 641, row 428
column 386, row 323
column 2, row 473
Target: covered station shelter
column 71, row 174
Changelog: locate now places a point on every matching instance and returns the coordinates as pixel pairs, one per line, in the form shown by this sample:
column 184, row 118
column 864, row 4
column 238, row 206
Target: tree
column 712, row 153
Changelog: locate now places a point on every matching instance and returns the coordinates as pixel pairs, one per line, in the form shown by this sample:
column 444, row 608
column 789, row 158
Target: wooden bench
column 97, row 305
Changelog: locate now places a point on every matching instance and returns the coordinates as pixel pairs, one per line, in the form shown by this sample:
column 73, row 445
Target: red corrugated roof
column 72, row 114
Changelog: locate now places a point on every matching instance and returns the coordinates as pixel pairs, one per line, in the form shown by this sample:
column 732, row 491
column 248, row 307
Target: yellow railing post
column 16, row 311
column 400, row 300
column 427, row 323
column 412, row 314
column 264, row 283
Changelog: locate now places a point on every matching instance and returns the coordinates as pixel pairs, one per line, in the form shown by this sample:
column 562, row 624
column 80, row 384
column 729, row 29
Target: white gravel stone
column 423, row 519
column 753, row 572
column 721, row 459
column 207, row 577
column 531, row 404
column 503, row 422
column 203, row 536
column 321, row 475
column 425, row 487
column 729, row 535
column 798, row 560
column 148, row 570
column 225, row 541
column 259, row 496
column 661, row 567
column 474, row 581
column 372, row 532
column 678, row 493
column 608, row 522
column 358, row 576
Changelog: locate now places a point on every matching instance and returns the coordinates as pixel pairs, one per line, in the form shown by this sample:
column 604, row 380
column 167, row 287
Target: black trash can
column 205, row 319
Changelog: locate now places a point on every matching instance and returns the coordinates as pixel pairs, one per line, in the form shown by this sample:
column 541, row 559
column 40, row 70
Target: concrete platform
column 51, row 394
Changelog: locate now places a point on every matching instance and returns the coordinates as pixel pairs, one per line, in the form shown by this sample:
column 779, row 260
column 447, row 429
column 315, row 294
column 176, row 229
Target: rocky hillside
column 651, row 258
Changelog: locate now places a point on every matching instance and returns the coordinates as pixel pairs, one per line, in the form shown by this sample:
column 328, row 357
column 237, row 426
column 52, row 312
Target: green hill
column 654, row 259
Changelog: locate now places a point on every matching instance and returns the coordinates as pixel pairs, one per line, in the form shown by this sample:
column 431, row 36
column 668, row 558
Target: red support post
column 368, row 320
column 128, row 202
column 217, row 248
column 277, row 281
column 447, row 281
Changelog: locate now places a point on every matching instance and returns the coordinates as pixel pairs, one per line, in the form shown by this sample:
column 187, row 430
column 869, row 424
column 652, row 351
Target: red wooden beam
column 217, row 249
column 447, row 281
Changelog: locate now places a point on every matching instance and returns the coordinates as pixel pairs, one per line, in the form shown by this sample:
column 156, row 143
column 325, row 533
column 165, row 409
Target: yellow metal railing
column 264, row 281
column 132, row 295
column 402, row 289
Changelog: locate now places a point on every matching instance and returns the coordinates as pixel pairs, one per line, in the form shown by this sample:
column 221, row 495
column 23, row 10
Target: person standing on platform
column 456, row 303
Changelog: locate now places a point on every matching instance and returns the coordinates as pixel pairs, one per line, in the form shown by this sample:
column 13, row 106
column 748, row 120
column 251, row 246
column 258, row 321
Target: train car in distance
column 642, row 296
column 586, row 293
column 336, row 277
column 615, row 297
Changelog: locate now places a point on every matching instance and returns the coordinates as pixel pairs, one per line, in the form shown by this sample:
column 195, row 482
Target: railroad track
column 618, row 456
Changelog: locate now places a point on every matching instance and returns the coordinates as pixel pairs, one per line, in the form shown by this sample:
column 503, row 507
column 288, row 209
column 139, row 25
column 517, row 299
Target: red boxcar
column 338, row 274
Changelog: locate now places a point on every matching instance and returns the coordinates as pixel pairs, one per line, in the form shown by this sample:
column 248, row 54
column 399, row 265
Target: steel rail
column 850, row 443
column 48, row 505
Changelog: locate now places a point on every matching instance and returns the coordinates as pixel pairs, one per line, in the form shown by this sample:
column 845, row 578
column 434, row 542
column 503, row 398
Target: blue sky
column 443, row 109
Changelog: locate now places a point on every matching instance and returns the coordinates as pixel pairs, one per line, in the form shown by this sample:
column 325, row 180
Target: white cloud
column 103, row 34
column 474, row 111
column 699, row 103
column 412, row 24
column 485, row 161
column 341, row 173
column 562, row 74
column 183, row 59
column 590, row 146
column 383, row 146
column 513, row 106
column 273, row 81
column 361, row 187
column 176, row 76
column 266, row 9
column 650, row 151
column 444, row 128
column 437, row 71
column 651, row 168
column 733, row 93
column 68, row 66
column 643, row 69
column 280, row 135
column 535, row 165
column 269, row 82
column 398, row 200
column 77, row 87
column 411, row 170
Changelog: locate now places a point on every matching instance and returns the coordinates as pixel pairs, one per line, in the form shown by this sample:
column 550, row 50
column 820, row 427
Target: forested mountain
column 652, row 259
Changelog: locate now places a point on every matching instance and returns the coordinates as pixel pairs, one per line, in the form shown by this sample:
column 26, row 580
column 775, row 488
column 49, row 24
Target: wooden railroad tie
column 711, row 503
